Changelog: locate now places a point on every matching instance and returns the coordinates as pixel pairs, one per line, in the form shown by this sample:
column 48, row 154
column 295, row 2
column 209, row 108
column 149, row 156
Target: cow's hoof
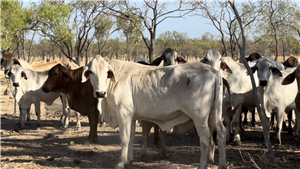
column 237, row 143
column 89, row 142
column 277, row 146
column 163, row 152
column 38, row 128
column 222, row 167
column 263, row 146
column 78, row 128
column 246, row 126
column 120, row 166
column 27, row 124
column 103, row 124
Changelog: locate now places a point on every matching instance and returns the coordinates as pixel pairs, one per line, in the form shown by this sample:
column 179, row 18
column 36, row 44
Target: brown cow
column 290, row 62
column 253, row 56
column 80, row 95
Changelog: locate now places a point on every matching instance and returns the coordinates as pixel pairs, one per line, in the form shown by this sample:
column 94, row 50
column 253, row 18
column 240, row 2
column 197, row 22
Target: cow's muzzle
column 45, row 89
column 263, row 83
column 16, row 84
column 100, row 94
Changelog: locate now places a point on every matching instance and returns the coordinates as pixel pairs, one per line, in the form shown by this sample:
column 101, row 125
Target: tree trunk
column 276, row 42
column 261, row 113
column 31, row 44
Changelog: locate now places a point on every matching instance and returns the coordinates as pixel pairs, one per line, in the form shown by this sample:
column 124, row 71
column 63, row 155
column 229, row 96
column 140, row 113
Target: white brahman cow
column 272, row 95
column 167, row 96
column 240, row 86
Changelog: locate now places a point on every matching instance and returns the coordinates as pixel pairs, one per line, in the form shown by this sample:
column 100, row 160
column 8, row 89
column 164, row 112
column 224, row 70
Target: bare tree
column 152, row 13
column 261, row 114
column 222, row 18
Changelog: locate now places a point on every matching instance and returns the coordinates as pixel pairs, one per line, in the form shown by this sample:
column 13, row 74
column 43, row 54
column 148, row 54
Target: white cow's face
column 265, row 68
column 16, row 74
column 100, row 74
column 212, row 58
column 170, row 58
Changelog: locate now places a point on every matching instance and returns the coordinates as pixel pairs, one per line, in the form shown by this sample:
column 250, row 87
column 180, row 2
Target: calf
column 79, row 95
column 25, row 86
column 173, row 94
column 272, row 95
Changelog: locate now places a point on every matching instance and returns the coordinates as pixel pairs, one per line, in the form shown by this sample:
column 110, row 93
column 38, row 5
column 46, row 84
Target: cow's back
column 164, row 90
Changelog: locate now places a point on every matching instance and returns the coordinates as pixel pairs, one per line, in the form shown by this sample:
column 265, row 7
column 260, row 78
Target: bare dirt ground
column 51, row 147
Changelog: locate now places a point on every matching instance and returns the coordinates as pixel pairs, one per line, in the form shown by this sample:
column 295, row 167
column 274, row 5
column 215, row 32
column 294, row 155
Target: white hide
column 166, row 96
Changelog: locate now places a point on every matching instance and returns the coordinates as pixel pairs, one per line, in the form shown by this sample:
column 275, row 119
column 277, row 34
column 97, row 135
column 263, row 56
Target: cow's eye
column 55, row 74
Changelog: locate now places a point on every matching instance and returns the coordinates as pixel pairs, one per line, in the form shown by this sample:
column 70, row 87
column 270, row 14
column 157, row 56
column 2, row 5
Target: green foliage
column 130, row 28
column 103, row 26
column 172, row 40
column 55, row 19
column 14, row 20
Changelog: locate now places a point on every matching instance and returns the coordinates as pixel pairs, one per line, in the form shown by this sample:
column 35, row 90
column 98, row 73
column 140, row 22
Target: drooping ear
column 289, row 79
column 253, row 68
column 156, row 61
column 85, row 74
column 16, row 62
column 23, row 74
column 111, row 74
column 275, row 71
column 224, row 66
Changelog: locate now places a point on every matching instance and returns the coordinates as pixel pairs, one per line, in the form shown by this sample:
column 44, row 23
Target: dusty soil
column 51, row 147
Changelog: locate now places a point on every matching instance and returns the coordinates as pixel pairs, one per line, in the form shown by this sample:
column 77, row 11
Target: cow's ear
column 289, row 79
column 16, row 62
column 23, row 74
column 225, row 67
column 253, row 68
column 275, row 71
column 111, row 74
column 85, row 74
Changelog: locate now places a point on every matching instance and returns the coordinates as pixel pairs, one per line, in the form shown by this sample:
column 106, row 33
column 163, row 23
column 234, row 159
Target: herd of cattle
column 209, row 95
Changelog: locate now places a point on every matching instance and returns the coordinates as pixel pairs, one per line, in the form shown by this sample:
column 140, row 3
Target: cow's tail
column 216, row 112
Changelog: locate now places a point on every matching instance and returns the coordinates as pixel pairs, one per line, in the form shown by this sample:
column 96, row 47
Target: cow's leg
column 66, row 112
column 163, row 139
column 290, row 128
column 125, row 134
column 132, row 134
column 156, row 134
column 93, row 120
column 245, row 111
column 211, row 147
column 146, row 127
column 22, row 116
column 253, row 122
column 297, row 123
column 280, row 117
column 227, row 121
column 221, row 137
column 236, row 127
column 37, row 106
column 204, row 137
column 78, row 124
column 28, row 123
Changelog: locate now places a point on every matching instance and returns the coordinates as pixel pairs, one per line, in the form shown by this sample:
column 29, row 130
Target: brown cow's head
column 290, row 62
column 291, row 77
column 59, row 79
column 253, row 56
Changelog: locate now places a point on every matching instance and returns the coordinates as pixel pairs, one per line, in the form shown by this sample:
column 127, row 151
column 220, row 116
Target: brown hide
column 80, row 95
column 290, row 62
